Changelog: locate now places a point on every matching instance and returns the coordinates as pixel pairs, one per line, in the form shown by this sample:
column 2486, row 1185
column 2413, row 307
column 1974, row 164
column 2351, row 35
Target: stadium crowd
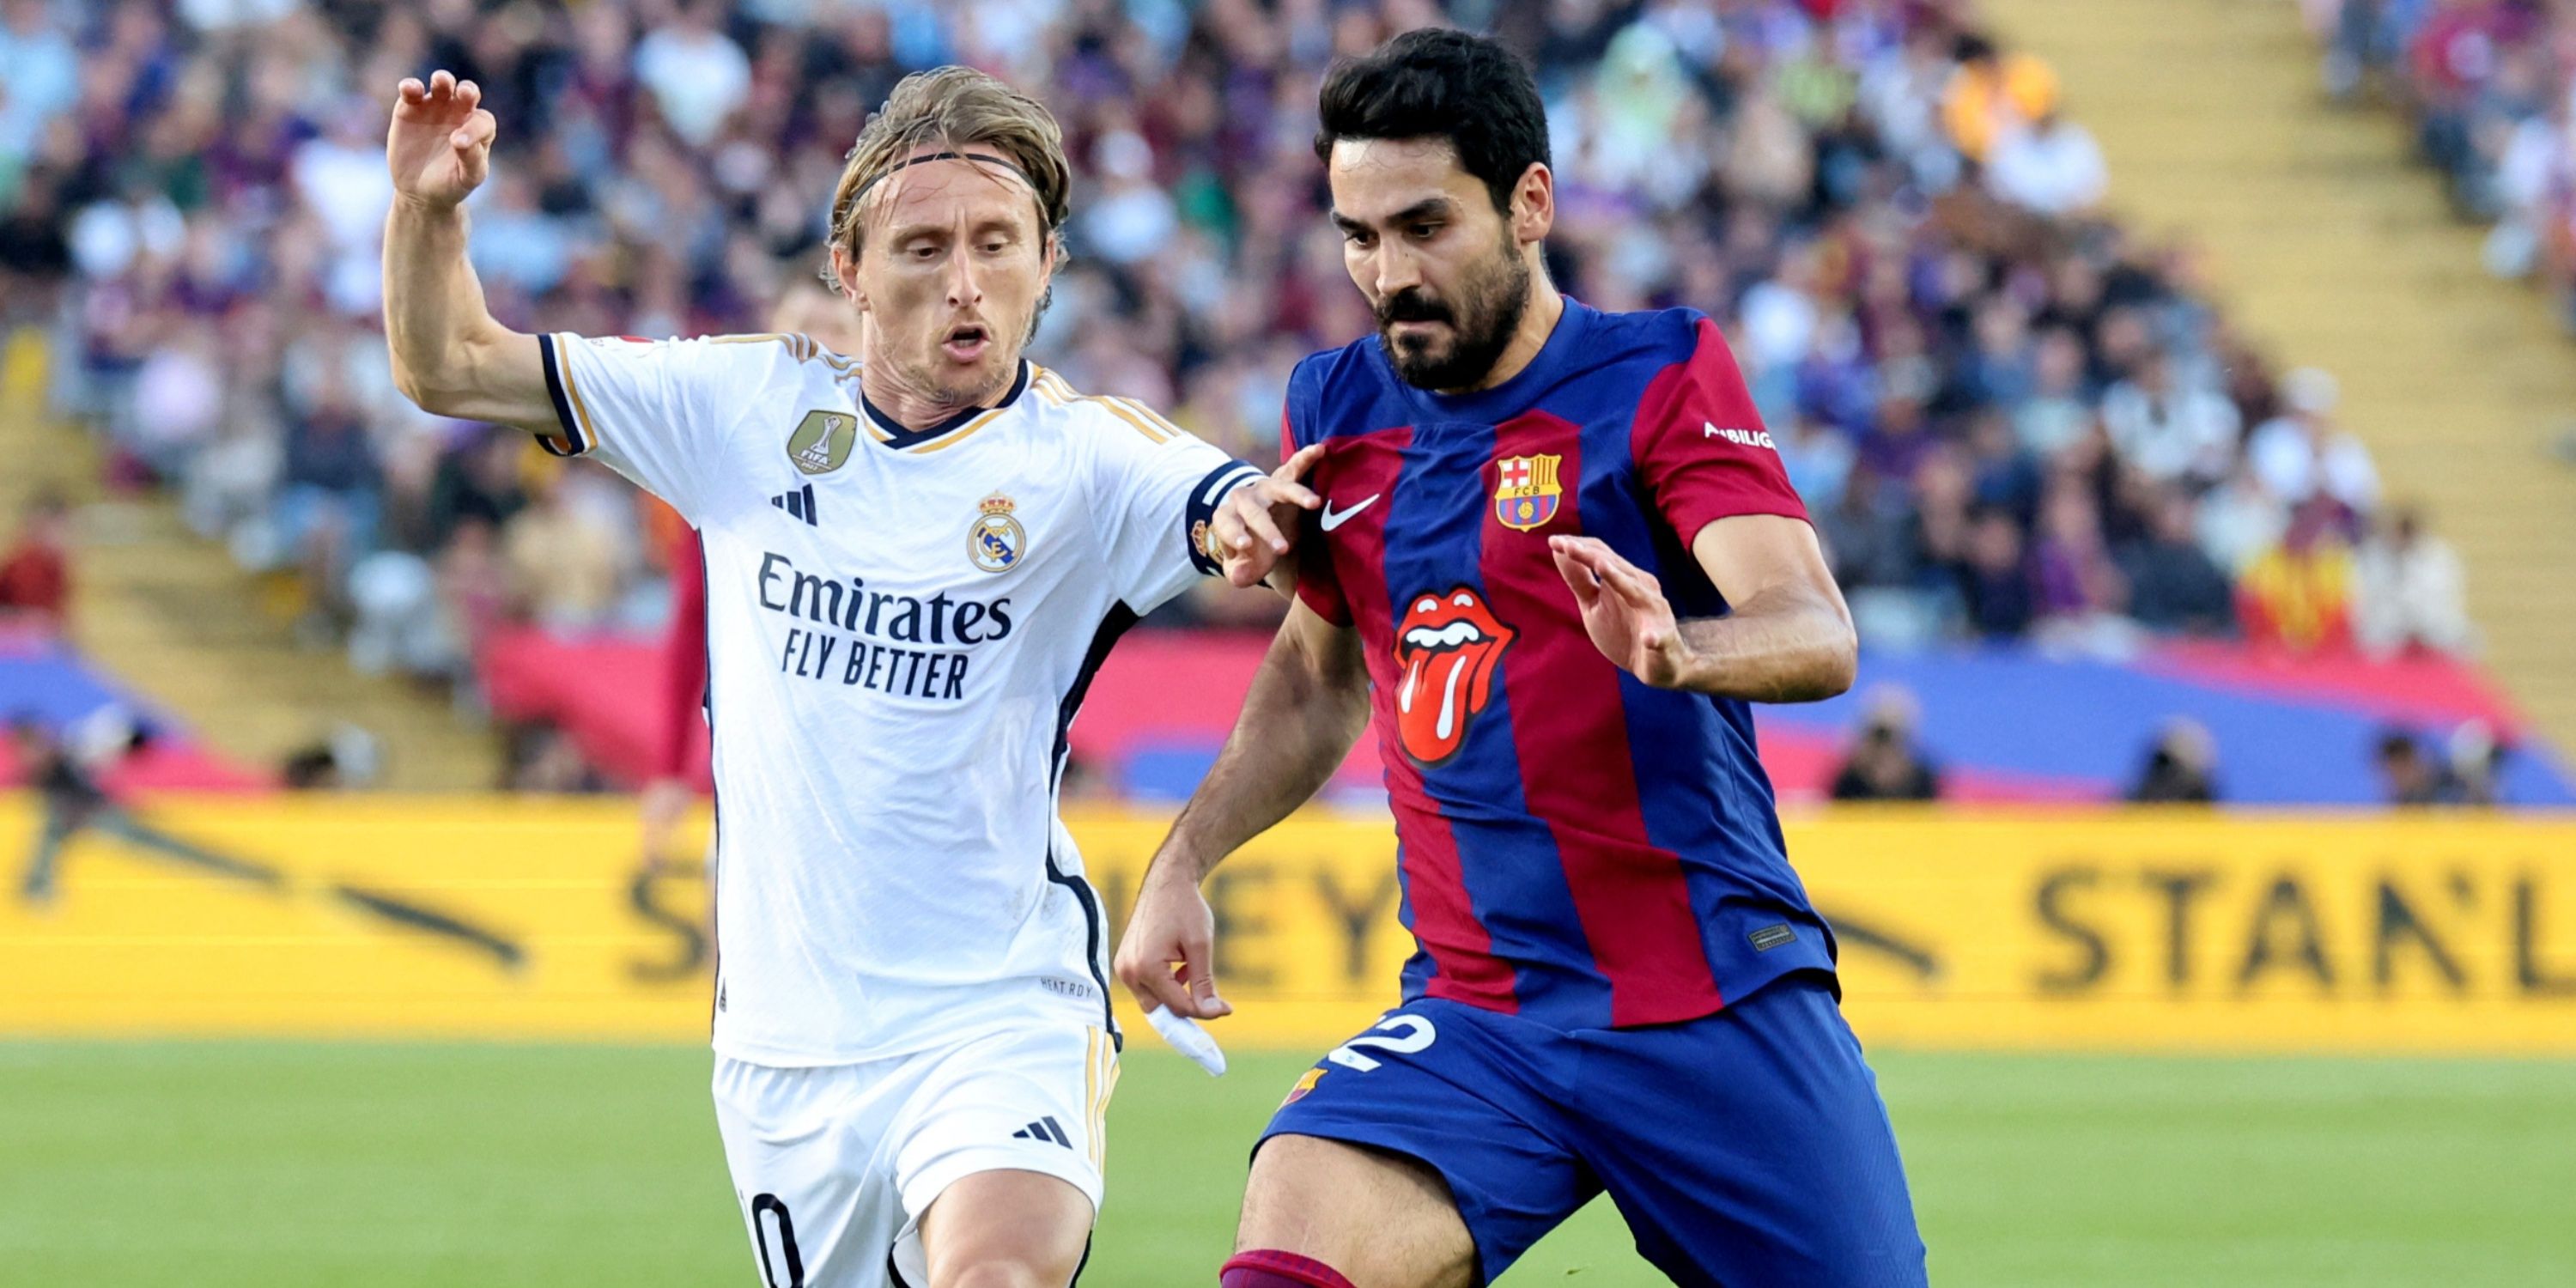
column 2010, row 417
column 2489, row 85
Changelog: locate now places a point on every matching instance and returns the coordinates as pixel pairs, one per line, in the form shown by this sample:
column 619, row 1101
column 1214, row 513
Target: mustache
column 1411, row 305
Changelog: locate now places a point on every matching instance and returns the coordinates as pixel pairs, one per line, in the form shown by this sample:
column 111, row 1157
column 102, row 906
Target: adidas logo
column 799, row 503
column 1046, row 1129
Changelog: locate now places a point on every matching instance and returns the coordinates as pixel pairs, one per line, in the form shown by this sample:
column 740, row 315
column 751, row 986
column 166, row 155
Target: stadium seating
column 2020, row 424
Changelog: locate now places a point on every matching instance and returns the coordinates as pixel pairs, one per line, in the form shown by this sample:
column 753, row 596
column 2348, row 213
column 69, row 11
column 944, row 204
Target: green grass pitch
column 220, row 1164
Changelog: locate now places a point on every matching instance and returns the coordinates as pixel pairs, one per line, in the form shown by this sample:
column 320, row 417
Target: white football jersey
column 900, row 627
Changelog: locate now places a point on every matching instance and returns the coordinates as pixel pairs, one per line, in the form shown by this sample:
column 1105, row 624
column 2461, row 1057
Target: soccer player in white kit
column 916, row 559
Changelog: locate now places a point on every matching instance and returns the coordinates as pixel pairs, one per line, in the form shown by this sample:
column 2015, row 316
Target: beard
column 1482, row 320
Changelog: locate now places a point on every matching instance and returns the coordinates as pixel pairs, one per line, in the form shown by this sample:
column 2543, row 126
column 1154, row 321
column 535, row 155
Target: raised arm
column 1308, row 704
column 449, row 355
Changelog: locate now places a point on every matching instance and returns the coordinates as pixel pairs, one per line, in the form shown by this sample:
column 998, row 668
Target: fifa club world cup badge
column 821, row 443
column 1525, row 491
column 997, row 540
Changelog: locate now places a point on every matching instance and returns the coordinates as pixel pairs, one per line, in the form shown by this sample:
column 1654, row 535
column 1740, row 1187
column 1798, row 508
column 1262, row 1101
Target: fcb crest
column 997, row 540
column 1526, row 491
column 822, row 441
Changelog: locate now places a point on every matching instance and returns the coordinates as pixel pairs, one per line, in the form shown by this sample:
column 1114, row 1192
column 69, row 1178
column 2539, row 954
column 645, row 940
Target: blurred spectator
column 565, row 556
column 2473, row 766
column 1968, row 367
column 2169, row 428
column 2299, row 453
column 696, row 74
column 2410, row 591
column 1884, row 763
column 2174, row 586
column 2180, row 768
column 2053, row 167
column 541, row 757
column 35, row 573
column 2469, row 771
column 1994, row 579
column 1994, row 94
column 2299, row 593
column 2406, row 775
column 2072, row 565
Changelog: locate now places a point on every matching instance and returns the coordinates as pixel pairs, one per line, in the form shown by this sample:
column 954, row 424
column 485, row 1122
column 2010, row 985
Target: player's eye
column 1357, row 237
column 1463, row 599
column 924, row 252
column 1424, row 232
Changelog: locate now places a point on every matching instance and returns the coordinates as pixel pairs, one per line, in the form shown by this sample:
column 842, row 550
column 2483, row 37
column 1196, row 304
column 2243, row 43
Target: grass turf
column 374, row 1166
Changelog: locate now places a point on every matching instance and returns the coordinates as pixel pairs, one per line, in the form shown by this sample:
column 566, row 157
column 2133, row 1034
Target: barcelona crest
column 1526, row 491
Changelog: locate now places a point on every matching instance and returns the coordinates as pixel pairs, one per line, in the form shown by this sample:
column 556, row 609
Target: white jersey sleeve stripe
column 573, row 441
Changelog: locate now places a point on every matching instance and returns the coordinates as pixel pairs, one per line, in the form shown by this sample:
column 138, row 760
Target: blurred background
column 2183, row 389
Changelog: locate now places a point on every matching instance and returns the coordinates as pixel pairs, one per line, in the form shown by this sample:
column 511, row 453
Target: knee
column 1004, row 1272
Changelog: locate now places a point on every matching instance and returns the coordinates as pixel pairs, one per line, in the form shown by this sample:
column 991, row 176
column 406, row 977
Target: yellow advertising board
column 2124, row 930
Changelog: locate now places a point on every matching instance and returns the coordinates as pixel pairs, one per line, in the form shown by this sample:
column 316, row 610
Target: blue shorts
column 1748, row 1147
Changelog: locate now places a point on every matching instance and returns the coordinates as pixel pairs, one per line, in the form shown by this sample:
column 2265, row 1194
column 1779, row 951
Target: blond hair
column 955, row 108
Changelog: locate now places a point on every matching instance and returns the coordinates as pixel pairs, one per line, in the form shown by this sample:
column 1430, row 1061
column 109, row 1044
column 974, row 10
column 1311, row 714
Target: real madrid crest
column 997, row 540
column 822, row 441
column 1526, row 491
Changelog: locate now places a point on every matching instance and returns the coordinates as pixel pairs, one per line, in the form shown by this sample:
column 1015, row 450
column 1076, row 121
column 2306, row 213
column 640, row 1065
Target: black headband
column 1004, row 162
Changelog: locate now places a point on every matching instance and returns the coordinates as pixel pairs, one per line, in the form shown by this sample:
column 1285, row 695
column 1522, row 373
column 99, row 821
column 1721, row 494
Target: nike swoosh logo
column 1334, row 519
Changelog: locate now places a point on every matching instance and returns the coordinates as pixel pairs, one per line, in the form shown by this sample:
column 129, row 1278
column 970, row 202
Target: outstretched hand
column 440, row 144
column 1624, row 611
column 1251, row 530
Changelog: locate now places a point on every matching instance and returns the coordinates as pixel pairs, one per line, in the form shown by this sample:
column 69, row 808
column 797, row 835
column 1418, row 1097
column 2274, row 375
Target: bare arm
column 1308, row 704
column 1788, row 635
column 449, row 355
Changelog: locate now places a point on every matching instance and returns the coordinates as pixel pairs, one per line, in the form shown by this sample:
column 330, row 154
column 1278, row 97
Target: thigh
column 1418, row 1155
column 999, row 1150
column 1384, row 1220
column 1751, row 1147
column 817, row 1193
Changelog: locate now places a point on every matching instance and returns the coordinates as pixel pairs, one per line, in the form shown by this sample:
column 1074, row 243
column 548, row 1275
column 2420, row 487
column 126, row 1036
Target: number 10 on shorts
column 1401, row 1034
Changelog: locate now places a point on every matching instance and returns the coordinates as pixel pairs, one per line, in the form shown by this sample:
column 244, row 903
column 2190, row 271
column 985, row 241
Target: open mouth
column 1449, row 649
column 966, row 343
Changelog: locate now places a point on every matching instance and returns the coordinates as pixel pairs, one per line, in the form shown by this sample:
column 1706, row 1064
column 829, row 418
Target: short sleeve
column 1699, row 444
column 656, row 411
column 1164, row 485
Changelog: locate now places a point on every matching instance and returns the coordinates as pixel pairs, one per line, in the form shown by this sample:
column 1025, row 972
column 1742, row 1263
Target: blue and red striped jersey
column 1575, row 846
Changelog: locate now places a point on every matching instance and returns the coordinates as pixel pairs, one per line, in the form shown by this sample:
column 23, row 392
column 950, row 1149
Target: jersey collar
column 1563, row 350
column 885, row 429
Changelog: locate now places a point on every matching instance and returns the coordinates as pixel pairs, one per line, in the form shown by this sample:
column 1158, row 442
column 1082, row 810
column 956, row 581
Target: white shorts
column 834, row 1165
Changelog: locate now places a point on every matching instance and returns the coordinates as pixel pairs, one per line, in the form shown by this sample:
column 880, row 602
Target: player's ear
column 1534, row 203
column 845, row 272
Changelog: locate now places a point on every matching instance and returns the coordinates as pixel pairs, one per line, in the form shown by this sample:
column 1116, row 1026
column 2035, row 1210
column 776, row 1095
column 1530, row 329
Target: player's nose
column 965, row 286
column 1396, row 268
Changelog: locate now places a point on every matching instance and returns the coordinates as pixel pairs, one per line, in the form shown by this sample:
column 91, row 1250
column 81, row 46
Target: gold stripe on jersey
column 1091, row 1091
column 1169, row 429
column 954, row 436
column 1117, row 408
column 799, row 346
column 572, row 391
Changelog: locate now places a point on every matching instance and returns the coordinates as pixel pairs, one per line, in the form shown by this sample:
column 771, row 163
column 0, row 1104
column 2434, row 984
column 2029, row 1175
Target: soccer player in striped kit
column 1555, row 559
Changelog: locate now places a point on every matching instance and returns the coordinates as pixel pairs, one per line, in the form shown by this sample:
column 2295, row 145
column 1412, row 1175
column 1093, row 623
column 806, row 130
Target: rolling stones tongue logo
column 1449, row 646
